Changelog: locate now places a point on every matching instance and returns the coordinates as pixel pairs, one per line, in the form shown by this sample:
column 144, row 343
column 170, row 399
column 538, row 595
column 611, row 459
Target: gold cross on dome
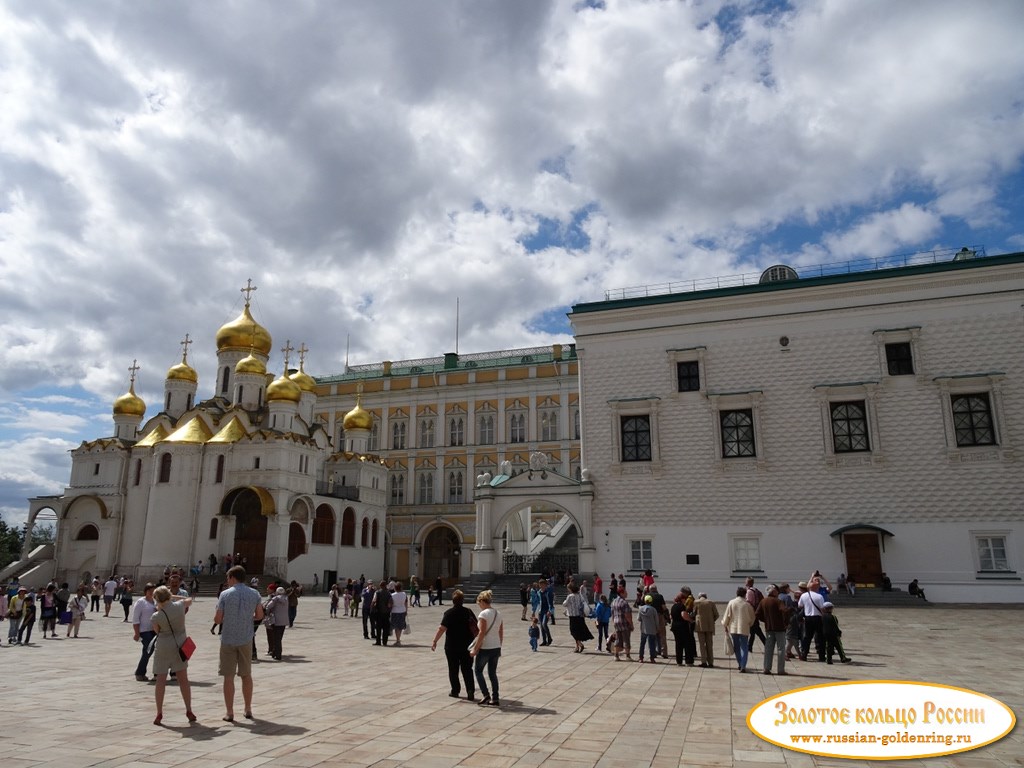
column 303, row 349
column 185, row 343
column 287, row 349
column 249, row 288
column 133, row 369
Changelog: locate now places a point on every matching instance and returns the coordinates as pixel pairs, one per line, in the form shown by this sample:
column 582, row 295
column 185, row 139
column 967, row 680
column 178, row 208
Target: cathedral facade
column 248, row 471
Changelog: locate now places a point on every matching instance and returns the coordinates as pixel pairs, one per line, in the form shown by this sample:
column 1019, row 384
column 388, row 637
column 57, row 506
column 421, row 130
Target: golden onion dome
column 358, row 418
column 182, row 372
column 283, row 389
column 251, row 364
column 244, row 333
column 129, row 404
column 306, row 382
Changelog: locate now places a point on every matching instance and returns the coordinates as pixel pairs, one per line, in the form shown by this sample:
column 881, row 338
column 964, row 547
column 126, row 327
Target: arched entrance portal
column 441, row 552
column 250, row 527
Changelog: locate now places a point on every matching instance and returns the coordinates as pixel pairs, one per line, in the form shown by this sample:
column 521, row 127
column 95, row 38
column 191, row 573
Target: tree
column 10, row 543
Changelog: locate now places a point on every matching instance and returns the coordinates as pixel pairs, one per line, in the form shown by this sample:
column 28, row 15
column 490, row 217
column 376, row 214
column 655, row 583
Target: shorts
column 108, row 599
column 235, row 660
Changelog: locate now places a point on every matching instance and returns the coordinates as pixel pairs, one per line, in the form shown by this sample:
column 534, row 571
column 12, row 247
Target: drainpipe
column 195, row 512
column 125, row 469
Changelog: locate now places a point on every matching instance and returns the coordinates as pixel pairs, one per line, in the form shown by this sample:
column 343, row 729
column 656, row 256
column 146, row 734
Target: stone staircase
column 875, row 597
column 505, row 587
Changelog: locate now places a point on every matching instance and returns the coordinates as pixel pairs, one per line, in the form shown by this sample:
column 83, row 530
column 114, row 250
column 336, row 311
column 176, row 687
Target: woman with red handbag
column 169, row 626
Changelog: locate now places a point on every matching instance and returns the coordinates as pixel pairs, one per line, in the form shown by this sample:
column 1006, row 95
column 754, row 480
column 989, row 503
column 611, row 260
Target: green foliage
column 10, row 543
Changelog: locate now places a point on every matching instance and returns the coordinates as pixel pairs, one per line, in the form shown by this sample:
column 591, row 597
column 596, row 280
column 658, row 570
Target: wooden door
column 250, row 531
column 863, row 557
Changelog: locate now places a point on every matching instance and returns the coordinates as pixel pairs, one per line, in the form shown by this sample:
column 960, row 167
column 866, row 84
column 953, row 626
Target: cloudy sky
column 368, row 163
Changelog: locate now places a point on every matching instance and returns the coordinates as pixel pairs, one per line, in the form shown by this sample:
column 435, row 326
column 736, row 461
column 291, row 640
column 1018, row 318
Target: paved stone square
column 336, row 700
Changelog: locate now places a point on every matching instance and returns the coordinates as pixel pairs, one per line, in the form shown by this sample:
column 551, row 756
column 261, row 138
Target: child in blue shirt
column 534, row 632
column 602, row 614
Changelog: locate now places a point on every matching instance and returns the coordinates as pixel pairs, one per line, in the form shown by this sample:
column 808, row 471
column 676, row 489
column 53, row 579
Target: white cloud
column 366, row 164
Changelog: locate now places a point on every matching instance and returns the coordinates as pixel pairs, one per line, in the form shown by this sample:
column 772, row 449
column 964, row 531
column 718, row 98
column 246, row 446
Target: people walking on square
column 109, row 588
column 487, row 648
column 647, row 617
column 458, row 625
column 77, row 605
column 681, row 623
column 774, row 614
column 48, row 611
column 237, row 608
column 705, row 625
column 577, row 609
column 142, row 629
column 622, row 623
column 276, row 613
column 524, row 598
column 602, row 616
column 737, row 620
column 335, row 595
column 168, row 623
column 794, row 624
column 546, row 617
column 439, row 590
column 381, row 607
column 812, row 604
column 294, row 592
column 661, row 606
column 15, row 609
column 414, row 592
column 399, row 611
column 534, row 633
column 833, row 635
column 754, row 597
column 97, row 593
column 369, row 622
column 28, row 620
column 127, row 599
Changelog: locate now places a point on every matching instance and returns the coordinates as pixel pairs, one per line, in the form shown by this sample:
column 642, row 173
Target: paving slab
column 338, row 700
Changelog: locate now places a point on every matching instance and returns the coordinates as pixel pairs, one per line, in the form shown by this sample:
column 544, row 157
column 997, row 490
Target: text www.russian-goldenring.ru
column 885, row 740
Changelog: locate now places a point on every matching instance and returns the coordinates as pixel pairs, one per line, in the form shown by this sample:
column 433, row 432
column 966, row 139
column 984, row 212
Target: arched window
column 296, row 541
column 219, row 478
column 455, row 488
column 167, row 402
column 365, row 539
column 224, row 381
column 165, row 468
column 323, row 525
column 397, row 483
column 348, row 528
column 138, row 471
column 213, row 528
column 456, row 431
column 88, row 533
column 374, row 535
column 189, row 402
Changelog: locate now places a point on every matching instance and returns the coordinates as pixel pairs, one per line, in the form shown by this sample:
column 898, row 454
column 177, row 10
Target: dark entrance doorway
column 863, row 557
column 250, row 527
column 440, row 556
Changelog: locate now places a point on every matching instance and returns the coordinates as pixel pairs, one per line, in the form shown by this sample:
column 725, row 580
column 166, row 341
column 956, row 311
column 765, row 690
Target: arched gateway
column 519, row 518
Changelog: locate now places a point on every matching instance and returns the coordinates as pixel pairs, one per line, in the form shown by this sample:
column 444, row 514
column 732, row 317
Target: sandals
column 190, row 715
column 157, row 719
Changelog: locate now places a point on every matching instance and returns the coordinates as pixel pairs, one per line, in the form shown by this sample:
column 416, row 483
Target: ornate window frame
column 690, row 355
column 910, row 335
column 752, row 400
column 634, row 406
column 990, row 384
column 858, row 391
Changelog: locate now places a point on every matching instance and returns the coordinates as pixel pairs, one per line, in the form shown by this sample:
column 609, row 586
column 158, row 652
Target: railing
column 512, row 563
column 337, row 491
column 816, row 270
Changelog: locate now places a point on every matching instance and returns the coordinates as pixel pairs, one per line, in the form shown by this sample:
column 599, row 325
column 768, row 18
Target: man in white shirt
column 109, row 590
column 813, row 605
column 142, row 629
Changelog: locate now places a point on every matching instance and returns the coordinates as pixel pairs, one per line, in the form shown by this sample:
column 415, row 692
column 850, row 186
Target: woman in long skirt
column 577, row 609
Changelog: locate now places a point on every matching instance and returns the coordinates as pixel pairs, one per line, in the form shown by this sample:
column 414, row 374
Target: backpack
column 758, row 596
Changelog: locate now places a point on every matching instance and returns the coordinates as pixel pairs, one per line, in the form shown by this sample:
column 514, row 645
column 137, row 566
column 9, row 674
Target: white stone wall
column 929, row 494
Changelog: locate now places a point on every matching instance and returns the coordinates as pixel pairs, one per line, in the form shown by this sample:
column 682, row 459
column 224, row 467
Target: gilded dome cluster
column 305, row 382
column 251, row 364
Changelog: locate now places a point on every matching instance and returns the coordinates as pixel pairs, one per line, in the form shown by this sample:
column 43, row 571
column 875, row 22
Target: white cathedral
column 241, row 472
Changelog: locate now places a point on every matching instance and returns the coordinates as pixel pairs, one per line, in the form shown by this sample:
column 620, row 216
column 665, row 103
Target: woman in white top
column 486, row 647
column 399, row 608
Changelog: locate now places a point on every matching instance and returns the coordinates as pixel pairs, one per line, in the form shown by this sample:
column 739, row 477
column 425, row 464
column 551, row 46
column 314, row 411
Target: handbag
column 186, row 648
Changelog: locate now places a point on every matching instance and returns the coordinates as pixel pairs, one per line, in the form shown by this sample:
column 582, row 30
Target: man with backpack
column 754, row 597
